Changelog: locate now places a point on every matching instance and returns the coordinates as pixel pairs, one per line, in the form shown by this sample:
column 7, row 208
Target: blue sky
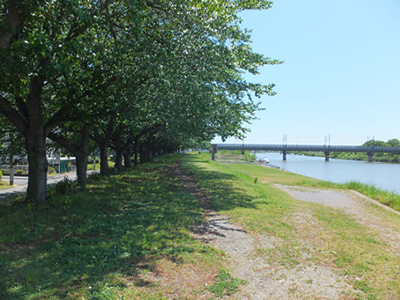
column 341, row 71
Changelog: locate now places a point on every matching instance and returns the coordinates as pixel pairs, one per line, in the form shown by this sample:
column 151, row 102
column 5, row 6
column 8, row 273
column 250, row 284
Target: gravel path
column 269, row 280
column 352, row 203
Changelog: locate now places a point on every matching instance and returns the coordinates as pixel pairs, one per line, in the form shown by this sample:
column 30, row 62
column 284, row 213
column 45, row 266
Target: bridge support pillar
column 284, row 155
column 370, row 156
column 327, row 155
column 213, row 151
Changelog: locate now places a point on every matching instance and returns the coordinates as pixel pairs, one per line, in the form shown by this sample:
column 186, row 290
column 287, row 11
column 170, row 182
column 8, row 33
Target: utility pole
column 11, row 169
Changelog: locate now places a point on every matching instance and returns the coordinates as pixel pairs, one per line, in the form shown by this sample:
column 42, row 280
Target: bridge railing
column 311, row 148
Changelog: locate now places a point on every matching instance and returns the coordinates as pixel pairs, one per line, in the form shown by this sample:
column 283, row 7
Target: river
column 385, row 176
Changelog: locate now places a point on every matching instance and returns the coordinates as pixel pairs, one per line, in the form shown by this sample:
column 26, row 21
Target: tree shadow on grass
column 85, row 244
column 223, row 188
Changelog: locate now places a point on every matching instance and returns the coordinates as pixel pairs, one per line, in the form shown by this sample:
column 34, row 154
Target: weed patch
column 225, row 284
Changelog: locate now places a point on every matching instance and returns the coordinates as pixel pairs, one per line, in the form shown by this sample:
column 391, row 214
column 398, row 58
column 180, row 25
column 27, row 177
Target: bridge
column 284, row 149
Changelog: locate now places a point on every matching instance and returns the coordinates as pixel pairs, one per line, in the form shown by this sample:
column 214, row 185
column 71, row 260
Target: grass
column 4, row 184
column 225, row 284
column 388, row 198
column 328, row 236
column 132, row 239
column 91, row 166
column 271, row 175
column 108, row 242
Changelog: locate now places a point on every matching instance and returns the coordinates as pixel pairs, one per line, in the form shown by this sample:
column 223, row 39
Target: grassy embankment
column 271, row 175
column 339, row 241
column 131, row 239
column 378, row 157
column 387, row 198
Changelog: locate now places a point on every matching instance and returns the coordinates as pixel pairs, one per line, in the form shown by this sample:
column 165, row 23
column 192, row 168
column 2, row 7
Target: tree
column 75, row 141
column 40, row 48
column 11, row 141
column 167, row 61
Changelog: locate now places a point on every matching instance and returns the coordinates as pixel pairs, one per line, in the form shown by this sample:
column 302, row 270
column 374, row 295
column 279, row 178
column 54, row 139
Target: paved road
column 18, row 180
column 22, row 184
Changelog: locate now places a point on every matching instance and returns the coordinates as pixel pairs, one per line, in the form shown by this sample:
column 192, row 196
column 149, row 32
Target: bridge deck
column 311, row 148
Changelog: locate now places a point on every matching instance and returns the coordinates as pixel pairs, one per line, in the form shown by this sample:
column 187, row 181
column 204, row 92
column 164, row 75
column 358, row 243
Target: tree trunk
column 127, row 159
column 118, row 148
column 118, row 159
column 135, row 152
column 121, row 147
column 104, row 168
column 147, row 151
column 81, row 168
column 79, row 150
column 103, row 141
column 142, row 155
column 82, row 157
column 35, row 140
column 36, row 149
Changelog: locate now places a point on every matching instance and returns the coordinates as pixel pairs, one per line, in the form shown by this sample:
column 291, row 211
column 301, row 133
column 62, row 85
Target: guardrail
column 16, row 167
column 316, row 148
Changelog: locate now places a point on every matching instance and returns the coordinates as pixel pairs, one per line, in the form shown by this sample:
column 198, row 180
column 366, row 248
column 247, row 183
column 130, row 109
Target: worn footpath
column 269, row 280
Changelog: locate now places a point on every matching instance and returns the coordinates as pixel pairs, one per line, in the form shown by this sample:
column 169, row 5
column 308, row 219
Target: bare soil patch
column 177, row 281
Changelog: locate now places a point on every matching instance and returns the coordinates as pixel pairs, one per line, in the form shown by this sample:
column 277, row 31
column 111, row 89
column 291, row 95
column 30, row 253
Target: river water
column 383, row 175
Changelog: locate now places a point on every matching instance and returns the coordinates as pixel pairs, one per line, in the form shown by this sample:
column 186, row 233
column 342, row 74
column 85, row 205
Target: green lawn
column 132, row 239
column 369, row 262
column 104, row 243
column 272, row 175
column 4, row 184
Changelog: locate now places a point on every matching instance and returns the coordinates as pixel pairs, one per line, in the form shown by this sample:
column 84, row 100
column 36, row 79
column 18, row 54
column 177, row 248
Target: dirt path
column 354, row 204
column 269, row 280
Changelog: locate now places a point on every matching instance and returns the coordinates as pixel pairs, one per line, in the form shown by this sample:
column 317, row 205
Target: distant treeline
column 381, row 157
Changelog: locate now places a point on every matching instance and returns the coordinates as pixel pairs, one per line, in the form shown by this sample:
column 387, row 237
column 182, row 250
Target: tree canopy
column 153, row 75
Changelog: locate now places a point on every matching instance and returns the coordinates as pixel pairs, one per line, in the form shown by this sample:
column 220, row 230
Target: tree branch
column 62, row 141
column 12, row 115
column 14, row 20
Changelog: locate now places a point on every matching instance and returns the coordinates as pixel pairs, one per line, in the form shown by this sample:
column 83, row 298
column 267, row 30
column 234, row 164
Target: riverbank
column 296, row 243
column 381, row 175
column 379, row 157
column 274, row 175
column 149, row 234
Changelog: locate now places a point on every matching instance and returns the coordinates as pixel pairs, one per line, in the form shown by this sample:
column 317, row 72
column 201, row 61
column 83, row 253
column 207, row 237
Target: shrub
column 90, row 160
column 95, row 177
column 396, row 158
column 1, row 174
column 114, row 171
column 249, row 157
column 65, row 187
column 19, row 172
